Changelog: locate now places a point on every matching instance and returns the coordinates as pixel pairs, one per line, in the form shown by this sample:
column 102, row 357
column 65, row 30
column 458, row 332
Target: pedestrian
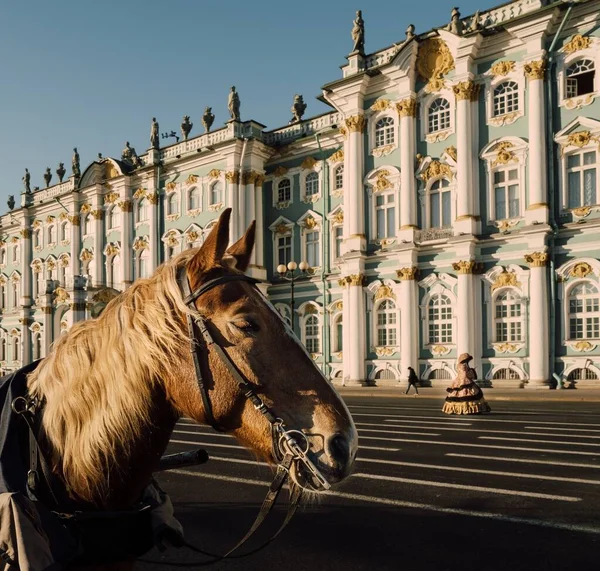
column 412, row 381
column 464, row 394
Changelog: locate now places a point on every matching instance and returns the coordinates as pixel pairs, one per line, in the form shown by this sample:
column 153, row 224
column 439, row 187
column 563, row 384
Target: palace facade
column 447, row 203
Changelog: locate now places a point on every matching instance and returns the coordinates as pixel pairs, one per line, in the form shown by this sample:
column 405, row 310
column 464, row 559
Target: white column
column 153, row 237
column 354, row 342
column 77, row 312
column 409, row 351
column 465, row 93
column 354, row 225
column 46, row 299
column 250, row 204
column 539, row 366
column 126, row 207
column 233, row 179
column 259, row 246
column 26, row 290
column 75, row 221
column 241, row 206
column 537, row 202
column 98, row 260
column 408, row 217
column 464, row 312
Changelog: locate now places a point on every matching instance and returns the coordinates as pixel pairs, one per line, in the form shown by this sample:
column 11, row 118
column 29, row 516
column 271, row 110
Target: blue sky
column 93, row 74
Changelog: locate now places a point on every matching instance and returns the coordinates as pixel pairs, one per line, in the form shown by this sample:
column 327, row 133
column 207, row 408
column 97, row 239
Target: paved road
column 516, row 489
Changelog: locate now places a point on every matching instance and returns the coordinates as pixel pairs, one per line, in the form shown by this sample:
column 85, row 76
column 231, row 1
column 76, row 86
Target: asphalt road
column 516, row 489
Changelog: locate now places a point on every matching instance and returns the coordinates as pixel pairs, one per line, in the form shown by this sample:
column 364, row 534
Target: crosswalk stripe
column 524, row 460
column 538, row 441
column 488, row 419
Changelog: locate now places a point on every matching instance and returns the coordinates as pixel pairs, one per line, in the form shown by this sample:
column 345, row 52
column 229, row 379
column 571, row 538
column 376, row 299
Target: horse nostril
column 338, row 449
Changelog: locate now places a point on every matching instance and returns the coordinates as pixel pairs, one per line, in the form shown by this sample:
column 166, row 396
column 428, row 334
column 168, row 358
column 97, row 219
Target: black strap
column 190, row 297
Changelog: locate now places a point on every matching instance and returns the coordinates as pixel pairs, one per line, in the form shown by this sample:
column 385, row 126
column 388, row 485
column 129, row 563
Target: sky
column 93, row 74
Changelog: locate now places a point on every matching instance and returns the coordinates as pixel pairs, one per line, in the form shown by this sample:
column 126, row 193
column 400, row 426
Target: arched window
column 313, row 248
column 311, row 334
column 440, row 319
column 311, row 184
column 439, row 115
column 144, row 264
column 582, row 178
column 384, row 132
column 338, row 333
column 51, row 234
column 37, row 346
column 15, row 349
column 506, row 98
column 15, row 294
column 64, row 228
column 142, row 210
column 37, row 238
column 582, row 375
column 16, row 253
column 580, row 78
column 284, row 249
column 338, row 177
column 114, row 271
column 584, row 312
column 508, row 317
column 41, row 283
column 440, row 204
column 87, row 224
column 173, row 204
column 62, row 271
column 506, row 193
column 385, row 214
column 3, row 256
column 505, row 374
column 194, row 199
column 387, row 321
column 284, row 190
column 216, row 193
column 111, row 219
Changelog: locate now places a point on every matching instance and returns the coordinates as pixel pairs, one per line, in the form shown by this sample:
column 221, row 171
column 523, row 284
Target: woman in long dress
column 464, row 394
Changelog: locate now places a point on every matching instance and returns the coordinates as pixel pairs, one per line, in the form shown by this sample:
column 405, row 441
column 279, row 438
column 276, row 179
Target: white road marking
column 219, row 434
column 479, row 471
column 468, row 487
column 538, row 441
column 409, row 505
column 488, row 419
column 524, row 460
column 569, row 429
column 397, row 432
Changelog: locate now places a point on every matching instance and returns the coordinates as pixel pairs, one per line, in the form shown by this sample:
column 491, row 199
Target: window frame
column 373, row 120
column 517, row 300
column 305, row 337
column 388, row 327
column 493, row 83
column 594, row 314
column 565, row 61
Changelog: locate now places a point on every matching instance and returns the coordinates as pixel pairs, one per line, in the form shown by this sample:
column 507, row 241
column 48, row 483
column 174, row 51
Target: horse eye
column 246, row 326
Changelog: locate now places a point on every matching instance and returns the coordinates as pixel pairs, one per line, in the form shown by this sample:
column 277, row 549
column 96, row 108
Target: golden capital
column 232, row 177
column 537, row 259
column 381, row 105
column 74, row 219
column 170, row 186
column 248, row 177
column 409, row 273
column 152, row 197
column 466, row 91
column 259, row 179
column 407, row 108
column 214, row 173
column 97, row 214
column 467, row 267
column 191, row 179
column 111, row 198
column 337, row 157
column 535, row 69
column 25, row 233
column 125, row 205
column 356, row 123
column 354, row 280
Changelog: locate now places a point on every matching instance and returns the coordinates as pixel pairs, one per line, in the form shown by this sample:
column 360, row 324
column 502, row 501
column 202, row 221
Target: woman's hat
column 465, row 358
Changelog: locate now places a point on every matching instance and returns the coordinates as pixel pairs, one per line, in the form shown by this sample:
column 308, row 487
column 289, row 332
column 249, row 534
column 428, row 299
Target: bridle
column 288, row 446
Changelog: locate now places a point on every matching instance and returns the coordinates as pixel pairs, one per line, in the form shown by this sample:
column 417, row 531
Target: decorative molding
column 282, row 228
column 111, row 250
column 582, row 211
column 338, row 217
column 310, row 222
column 579, row 102
column 355, row 124
column 582, row 346
column 507, row 347
column 259, row 179
column 193, row 178
column 74, row 219
column 311, row 199
column 280, row 171
column 171, row 186
column 215, row 207
column 248, row 177
column 97, row 214
column 213, row 174
column 111, row 198
column 506, row 119
column 502, row 68
column 232, row 177
column 381, row 105
column 343, row 132
column 383, row 151
column 438, row 136
column 504, row 155
column 85, row 208
column 173, row 217
column 464, row 267
column 384, row 291
column 282, row 205
column 25, row 233
column 309, row 163
column 407, row 108
column 152, row 198
column 310, row 309
column 139, row 193
column 466, row 91
column 435, row 169
column 50, row 219
column 86, row 255
column 385, row 351
column 140, row 244
column 505, row 279
column 580, row 139
column 537, row 259
column 535, row 69
column 581, row 270
column 408, row 273
column 452, row 152
column 353, row 279
column 192, row 236
column 577, row 43
column 439, row 350
column 435, row 85
column 434, row 60
column 337, row 157
column 125, row 205
column 381, row 181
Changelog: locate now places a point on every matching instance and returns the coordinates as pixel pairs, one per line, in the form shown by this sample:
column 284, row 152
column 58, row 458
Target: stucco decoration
column 504, row 155
column 440, row 350
column 61, row 295
column 384, row 291
column 381, row 105
column 434, row 61
column 280, row 171
column 579, row 139
column 171, row 186
column 467, row 267
column 583, row 346
column 337, row 157
column 407, row 108
column 409, row 273
column 193, row 179
column 466, row 91
column 435, row 169
column 505, row 279
column 577, row 43
column 581, row 270
column 381, row 181
column 214, row 174
column 507, row 347
column 502, row 68
column 111, row 198
column 356, row 123
column 582, row 211
column 354, row 280
column 309, row 163
column 452, row 152
column 233, row 177
column 140, row 244
column 282, row 229
column 383, row 151
column 535, row 69
column 338, row 217
column 310, row 222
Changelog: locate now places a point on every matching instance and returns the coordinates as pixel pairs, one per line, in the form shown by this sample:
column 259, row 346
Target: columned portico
column 539, row 366
column 408, row 213
column 354, row 342
column 537, row 201
column 409, row 352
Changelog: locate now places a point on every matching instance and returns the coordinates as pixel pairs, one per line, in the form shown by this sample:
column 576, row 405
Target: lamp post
column 288, row 273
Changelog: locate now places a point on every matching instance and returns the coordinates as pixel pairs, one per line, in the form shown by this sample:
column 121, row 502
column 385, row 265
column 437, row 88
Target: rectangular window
column 339, row 237
column 435, row 210
column 312, row 249
column 284, row 250
column 446, row 209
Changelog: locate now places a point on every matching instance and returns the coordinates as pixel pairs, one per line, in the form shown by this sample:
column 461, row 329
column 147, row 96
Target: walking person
column 464, row 394
column 412, row 381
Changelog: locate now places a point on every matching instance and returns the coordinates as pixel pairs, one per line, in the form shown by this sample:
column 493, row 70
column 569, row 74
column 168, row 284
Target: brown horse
column 115, row 386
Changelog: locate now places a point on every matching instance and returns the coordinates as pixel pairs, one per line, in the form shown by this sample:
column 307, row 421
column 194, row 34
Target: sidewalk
column 439, row 394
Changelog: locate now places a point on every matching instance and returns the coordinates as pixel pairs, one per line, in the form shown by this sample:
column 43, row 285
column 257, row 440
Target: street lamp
column 288, row 273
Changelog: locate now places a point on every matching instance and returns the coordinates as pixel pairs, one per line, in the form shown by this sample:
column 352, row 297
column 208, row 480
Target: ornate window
column 312, row 243
column 142, row 210
column 15, row 294
column 311, row 333
column 3, row 349
column 438, row 116
column 584, row 312
column 172, row 204
column 505, row 374
column 337, row 333
column 37, row 239
column 216, row 193
column 2, row 296
column 386, row 324
column 440, row 319
column 15, row 348
column 507, row 193
column 194, row 199
column 114, row 271
column 87, row 224
column 111, row 218
column 385, row 214
column 311, row 184
column 284, row 249
column 506, row 98
column 582, row 178
column 284, row 190
column 144, row 263
column 338, row 238
column 384, row 132
column 440, row 204
column 580, row 78
column 338, row 180
column 37, row 346
column 64, row 230
column 508, row 317
column 52, row 234
column 16, row 252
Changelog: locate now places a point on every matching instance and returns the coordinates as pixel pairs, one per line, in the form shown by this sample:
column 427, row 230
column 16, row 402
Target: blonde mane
column 98, row 381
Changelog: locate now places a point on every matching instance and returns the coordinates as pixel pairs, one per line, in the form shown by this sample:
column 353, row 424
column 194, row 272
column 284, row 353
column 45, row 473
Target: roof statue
column 208, row 119
column 298, row 109
column 60, row 171
column 48, row 176
column 186, row 127
column 75, row 164
column 27, row 180
column 358, row 34
column 154, row 134
column 233, row 104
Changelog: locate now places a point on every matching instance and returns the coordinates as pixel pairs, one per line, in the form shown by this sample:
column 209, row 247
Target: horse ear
column 213, row 249
column 242, row 249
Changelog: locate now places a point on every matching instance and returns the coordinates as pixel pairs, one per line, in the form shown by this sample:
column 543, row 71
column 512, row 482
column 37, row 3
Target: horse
column 114, row 387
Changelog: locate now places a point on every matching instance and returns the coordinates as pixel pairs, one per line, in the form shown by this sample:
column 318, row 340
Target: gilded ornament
column 384, row 291
column 152, row 197
column 310, row 310
column 50, row 219
column 383, row 151
column 385, row 351
column 466, row 91
column 109, row 170
column 308, row 163
column 63, row 216
column 139, row 193
column 580, row 139
column 577, row 43
column 111, row 198
column 381, row 182
column 50, row 264
column 86, row 255
column 74, row 219
column 232, row 177
column 248, row 177
column 503, row 154
column 192, row 236
column 112, row 250
column 97, row 214
column 310, row 222
column 537, row 259
column 214, row 173
column 407, row 108
column 505, row 279
column 64, row 261
column 452, row 152
column 535, row 69
column 36, row 224
column 409, row 273
column 193, row 178
column 355, row 124
column 506, row 347
column 14, row 240
column 280, row 171
column 581, row 270
column 354, row 279
column 440, row 350
column 502, row 68
column 434, row 60
column 344, row 132
column 435, row 85
column 61, row 295
column 337, row 157
column 583, row 346
column 171, row 186
column 338, row 306
column 467, row 267
column 435, row 169
column 125, row 205
column 25, row 233
column 338, row 217
column 140, row 244
column 582, row 211
column 36, row 267
column 259, row 180
column 381, row 105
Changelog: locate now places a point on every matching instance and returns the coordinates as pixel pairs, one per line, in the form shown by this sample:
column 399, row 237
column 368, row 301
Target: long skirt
column 465, row 399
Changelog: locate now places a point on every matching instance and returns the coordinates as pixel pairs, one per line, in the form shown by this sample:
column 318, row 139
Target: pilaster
column 153, row 238
column 47, row 318
column 98, row 215
column 75, row 225
column 79, row 299
column 465, row 311
column 409, row 350
column 354, row 319
column 126, row 206
column 408, row 218
column 232, row 177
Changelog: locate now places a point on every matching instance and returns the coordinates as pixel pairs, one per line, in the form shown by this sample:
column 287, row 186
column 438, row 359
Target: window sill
column 582, row 345
column 440, row 349
column 579, row 101
column 508, row 346
column 386, row 351
column 506, row 119
column 384, row 150
column 282, row 205
column 437, row 136
column 215, row 207
column 311, row 199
